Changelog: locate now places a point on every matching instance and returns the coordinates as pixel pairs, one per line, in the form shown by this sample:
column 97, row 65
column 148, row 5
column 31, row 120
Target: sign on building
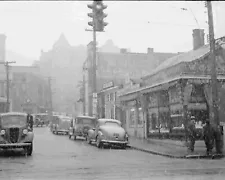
column 108, row 85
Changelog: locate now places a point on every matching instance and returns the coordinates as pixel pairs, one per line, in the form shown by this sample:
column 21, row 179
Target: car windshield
column 110, row 123
column 85, row 121
column 13, row 120
column 43, row 117
column 66, row 119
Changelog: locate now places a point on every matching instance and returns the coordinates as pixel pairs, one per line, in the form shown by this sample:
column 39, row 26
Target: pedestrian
column 209, row 137
column 191, row 134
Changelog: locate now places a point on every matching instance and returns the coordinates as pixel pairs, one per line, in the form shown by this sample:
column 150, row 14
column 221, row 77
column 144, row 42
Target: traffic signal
column 97, row 16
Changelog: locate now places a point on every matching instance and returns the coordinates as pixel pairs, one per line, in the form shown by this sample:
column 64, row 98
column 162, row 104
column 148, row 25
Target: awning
column 129, row 97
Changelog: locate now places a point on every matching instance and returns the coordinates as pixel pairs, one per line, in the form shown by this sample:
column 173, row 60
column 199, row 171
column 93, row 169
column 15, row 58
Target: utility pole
column 7, row 83
column 214, row 84
column 50, row 97
column 213, row 64
column 97, row 25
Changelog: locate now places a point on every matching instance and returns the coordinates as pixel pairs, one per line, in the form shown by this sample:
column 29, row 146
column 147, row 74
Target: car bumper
column 114, row 142
column 62, row 130
column 14, row 145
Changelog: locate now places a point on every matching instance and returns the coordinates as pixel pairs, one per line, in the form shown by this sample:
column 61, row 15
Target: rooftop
column 181, row 58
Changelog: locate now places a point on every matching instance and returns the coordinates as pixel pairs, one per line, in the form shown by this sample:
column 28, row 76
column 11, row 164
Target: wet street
column 57, row 157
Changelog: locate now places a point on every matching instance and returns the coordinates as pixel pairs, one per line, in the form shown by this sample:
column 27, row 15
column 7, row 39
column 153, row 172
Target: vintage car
column 80, row 126
column 16, row 131
column 41, row 119
column 62, row 125
column 108, row 132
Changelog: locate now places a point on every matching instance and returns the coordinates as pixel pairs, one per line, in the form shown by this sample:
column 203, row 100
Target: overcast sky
column 32, row 26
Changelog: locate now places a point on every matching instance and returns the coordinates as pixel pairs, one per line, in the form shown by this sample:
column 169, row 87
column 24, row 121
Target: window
column 140, row 119
column 132, row 117
column 112, row 113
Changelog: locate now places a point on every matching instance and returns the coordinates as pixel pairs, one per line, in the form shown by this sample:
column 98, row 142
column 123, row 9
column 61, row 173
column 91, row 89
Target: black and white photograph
column 112, row 90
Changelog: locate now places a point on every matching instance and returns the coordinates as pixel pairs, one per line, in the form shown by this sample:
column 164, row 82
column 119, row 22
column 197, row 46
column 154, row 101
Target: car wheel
column 124, row 146
column 98, row 142
column 57, row 132
column 75, row 137
column 29, row 149
column 69, row 136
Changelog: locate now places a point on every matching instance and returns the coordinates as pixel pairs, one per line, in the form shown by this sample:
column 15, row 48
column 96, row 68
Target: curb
column 156, row 153
column 216, row 156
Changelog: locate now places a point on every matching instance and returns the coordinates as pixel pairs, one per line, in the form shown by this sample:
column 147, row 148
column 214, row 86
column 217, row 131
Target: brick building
column 117, row 67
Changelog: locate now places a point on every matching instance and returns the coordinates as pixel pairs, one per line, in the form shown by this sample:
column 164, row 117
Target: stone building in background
column 117, row 67
column 29, row 91
column 63, row 64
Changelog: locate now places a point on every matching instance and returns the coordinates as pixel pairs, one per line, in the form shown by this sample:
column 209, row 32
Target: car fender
column 91, row 133
column 100, row 133
column 29, row 137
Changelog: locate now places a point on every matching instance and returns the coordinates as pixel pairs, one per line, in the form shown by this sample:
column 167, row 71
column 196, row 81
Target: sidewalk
column 169, row 148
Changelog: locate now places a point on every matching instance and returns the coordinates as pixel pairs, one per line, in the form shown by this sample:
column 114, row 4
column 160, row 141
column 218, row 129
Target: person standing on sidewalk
column 208, row 136
column 191, row 134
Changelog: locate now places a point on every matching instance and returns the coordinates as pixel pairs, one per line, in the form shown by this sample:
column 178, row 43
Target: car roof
column 103, row 120
column 14, row 113
column 89, row 117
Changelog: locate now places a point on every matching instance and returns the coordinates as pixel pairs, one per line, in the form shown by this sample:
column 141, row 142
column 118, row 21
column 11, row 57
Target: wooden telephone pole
column 214, row 84
column 50, row 95
column 7, row 83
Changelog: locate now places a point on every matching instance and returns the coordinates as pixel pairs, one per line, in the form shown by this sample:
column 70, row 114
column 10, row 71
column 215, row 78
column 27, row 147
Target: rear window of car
column 85, row 121
column 110, row 123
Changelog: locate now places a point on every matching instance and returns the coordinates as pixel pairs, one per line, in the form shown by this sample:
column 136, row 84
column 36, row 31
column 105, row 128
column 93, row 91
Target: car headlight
column 2, row 132
column 25, row 131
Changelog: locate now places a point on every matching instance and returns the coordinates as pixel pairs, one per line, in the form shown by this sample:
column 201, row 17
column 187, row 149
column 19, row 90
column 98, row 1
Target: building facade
column 117, row 67
column 29, row 91
column 178, row 89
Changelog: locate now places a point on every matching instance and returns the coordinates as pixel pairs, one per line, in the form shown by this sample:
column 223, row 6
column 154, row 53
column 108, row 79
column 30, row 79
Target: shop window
column 111, row 97
column 197, row 95
column 132, row 117
column 164, row 120
column 141, row 117
column 112, row 113
column 154, row 121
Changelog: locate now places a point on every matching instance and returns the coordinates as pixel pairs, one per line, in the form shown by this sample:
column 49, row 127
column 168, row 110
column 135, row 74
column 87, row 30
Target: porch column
column 144, row 106
column 136, row 118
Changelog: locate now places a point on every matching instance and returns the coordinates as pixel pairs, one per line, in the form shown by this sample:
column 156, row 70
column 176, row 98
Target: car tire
column 75, row 138
column 29, row 149
column 69, row 136
column 124, row 146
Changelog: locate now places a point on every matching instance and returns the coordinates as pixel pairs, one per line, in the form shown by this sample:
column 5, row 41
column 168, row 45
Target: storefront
column 175, row 93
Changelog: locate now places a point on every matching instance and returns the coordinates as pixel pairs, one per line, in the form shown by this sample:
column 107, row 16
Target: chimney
column 198, row 38
column 2, row 47
column 123, row 50
column 150, row 50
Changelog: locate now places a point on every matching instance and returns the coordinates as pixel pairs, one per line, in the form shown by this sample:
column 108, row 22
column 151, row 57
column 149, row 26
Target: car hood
column 111, row 130
column 14, row 126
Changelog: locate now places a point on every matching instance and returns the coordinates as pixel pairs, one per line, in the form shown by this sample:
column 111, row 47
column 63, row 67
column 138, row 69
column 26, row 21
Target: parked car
column 62, row 125
column 80, row 126
column 108, row 132
column 41, row 119
column 16, row 131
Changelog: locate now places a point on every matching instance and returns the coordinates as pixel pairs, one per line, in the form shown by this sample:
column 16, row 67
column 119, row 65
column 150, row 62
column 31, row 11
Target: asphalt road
column 57, row 157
